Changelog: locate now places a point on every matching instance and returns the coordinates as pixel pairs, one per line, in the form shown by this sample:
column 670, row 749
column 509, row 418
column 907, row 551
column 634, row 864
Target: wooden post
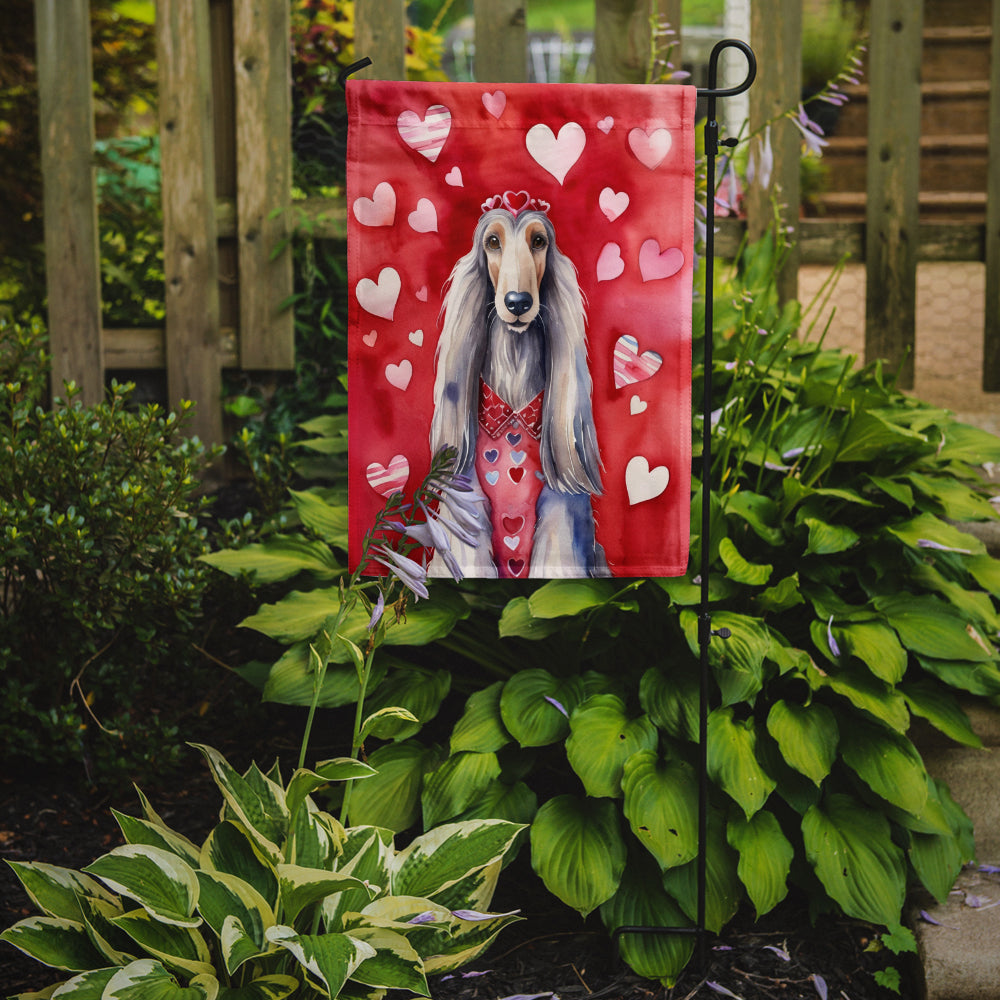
column 622, row 40
column 72, row 256
column 190, row 254
column 262, row 60
column 380, row 34
column 991, row 333
column 776, row 35
column 893, row 184
column 501, row 41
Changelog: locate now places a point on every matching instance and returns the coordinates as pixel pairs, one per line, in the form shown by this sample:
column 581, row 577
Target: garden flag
column 520, row 264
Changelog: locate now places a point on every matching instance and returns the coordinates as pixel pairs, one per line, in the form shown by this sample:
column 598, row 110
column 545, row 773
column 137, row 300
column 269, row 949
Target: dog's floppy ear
column 459, row 359
column 570, row 457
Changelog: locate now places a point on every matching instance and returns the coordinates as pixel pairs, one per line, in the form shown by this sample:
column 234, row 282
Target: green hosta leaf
column 957, row 501
column 738, row 661
column 941, row 709
column 641, row 901
column 876, row 646
column 275, row 987
column 415, row 689
column 438, row 859
column 578, row 851
column 230, row 849
column 391, row 798
column 386, row 723
column 965, row 443
column 751, row 574
column 279, row 558
column 765, row 858
column 661, row 799
column 559, row 598
column 671, row 699
column 56, row 891
column 516, row 803
column 683, row 592
column 327, row 520
column 225, row 897
column 723, row 889
column 301, row 887
column 888, row 763
column 330, row 959
column 975, row 605
column 850, row 847
column 517, row 620
column 937, row 859
column 180, row 948
column 98, row 916
column 828, row 539
column 928, row 528
column 291, row 680
column 976, row 678
column 732, row 760
column 866, row 692
column 527, row 711
column 481, row 728
column 147, row 979
column 932, row 628
column 54, row 941
column 141, row 831
column 758, row 511
column 807, row 736
column 783, row 595
column 160, row 882
column 602, row 738
column 395, row 964
column 986, row 571
column 893, row 488
column 456, row 784
column 870, row 435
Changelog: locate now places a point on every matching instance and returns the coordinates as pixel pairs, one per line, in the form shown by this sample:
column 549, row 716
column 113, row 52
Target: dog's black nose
column 518, row 302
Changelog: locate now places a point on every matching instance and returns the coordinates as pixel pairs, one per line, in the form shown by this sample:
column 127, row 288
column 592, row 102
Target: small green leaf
column 301, row 887
column 181, row 948
column 888, row 763
column 765, row 858
column 807, row 736
column 456, row 784
column 828, row 539
column 739, row 569
column 941, row 709
column 517, row 620
column 670, row 698
column 535, row 706
column 391, row 798
column 327, row 520
column 279, row 558
column 932, row 628
column 732, row 760
column 560, row 598
column 56, row 891
column 481, row 727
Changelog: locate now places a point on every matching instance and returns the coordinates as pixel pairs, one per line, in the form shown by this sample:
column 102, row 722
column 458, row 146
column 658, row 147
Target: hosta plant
column 279, row 900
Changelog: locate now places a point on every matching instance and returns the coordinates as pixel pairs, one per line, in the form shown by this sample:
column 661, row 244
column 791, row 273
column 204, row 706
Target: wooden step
column 957, row 206
column 956, row 53
column 945, row 12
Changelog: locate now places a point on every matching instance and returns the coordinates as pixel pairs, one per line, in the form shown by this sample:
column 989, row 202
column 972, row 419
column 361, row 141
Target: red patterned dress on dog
column 508, row 463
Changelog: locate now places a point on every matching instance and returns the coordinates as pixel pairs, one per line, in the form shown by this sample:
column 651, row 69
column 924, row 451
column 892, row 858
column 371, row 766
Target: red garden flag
column 520, row 277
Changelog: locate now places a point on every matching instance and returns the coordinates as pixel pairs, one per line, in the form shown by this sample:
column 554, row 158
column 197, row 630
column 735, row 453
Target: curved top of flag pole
column 712, row 91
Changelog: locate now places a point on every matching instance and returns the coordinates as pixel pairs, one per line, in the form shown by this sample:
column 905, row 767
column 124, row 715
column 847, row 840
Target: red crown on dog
column 515, row 202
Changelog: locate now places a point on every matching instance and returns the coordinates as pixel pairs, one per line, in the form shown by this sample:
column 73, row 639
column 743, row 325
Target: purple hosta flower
column 780, row 952
column 377, row 611
column 928, row 543
column 531, row 996
column 812, row 134
column 990, row 869
column 465, row 975
column 460, row 503
column 410, row 573
column 927, row 918
column 727, row 198
column 820, row 984
column 552, row 701
column 719, row 988
column 427, row 917
column 834, row 648
column 475, row 915
column 760, row 164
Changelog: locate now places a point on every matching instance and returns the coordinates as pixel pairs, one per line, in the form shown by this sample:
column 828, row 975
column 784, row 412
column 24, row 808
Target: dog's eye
column 539, row 242
column 492, row 242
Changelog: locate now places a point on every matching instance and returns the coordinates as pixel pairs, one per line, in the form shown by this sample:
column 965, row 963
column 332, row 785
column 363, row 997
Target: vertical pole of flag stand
column 705, row 630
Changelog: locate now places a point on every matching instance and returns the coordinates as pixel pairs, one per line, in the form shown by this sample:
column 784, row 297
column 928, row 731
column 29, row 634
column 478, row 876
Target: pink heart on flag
column 370, row 338
column 556, row 154
column 426, row 135
column 379, row 209
column 379, row 298
column 386, row 481
column 424, row 218
column 398, row 376
column 613, row 203
column 610, row 264
column 653, row 264
column 650, row 148
column 453, row 178
column 606, row 124
column 495, row 102
column 629, row 365
column 421, row 293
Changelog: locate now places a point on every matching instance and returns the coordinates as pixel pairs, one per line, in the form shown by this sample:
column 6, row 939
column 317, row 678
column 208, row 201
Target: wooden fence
column 226, row 161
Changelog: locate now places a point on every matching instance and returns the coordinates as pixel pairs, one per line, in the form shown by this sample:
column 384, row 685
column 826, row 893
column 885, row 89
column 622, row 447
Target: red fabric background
column 647, row 538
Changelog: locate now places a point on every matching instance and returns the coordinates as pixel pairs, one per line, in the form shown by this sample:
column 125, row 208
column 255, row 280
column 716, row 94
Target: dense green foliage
column 101, row 584
column 854, row 601
column 280, row 899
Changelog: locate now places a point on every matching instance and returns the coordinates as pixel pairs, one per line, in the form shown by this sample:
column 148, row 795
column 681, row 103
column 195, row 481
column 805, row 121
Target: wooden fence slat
column 190, row 253
column 621, row 40
column 380, row 34
column 501, row 41
column 262, row 61
column 991, row 331
column 72, row 256
column 776, row 36
column 892, row 215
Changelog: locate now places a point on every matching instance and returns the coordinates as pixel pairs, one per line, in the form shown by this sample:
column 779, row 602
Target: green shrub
column 101, row 584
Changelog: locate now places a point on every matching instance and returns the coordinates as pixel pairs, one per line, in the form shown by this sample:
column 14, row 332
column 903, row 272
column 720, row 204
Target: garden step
column 956, row 53
column 967, row 206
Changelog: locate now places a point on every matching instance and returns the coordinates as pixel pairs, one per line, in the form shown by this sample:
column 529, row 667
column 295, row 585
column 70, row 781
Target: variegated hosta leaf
column 765, row 858
column 141, row 831
column 56, row 891
column 481, row 727
column 256, row 801
column 602, row 737
column 304, row 782
column 441, row 857
column 888, row 763
column 116, row 946
column 642, row 902
column 328, row 959
column 367, row 853
column 395, row 964
column 158, row 880
column 578, row 851
column 467, row 940
column 850, row 847
column 535, row 706
column 732, row 760
column 315, row 838
column 225, row 897
column 275, row 987
column 476, row 890
column 177, row 947
column 807, row 736
column 661, row 800
column 54, row 941
column 86, row 986
column 147, row 979
column 301, row 887
column 230, row 849
column 391, row 799
column 456, row 784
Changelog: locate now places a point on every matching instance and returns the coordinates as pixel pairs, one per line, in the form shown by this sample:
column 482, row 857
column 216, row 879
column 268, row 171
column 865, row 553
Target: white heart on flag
column 643, row 483
column 398, row 376
column 424, row 218
column 650, row 148
column 612, row 203
column 556, row 154
column 379, row 298
column 610, row 264
column 379, row 209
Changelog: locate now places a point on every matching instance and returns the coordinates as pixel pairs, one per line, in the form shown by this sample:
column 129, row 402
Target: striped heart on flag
column 426, row 135
column 630, row 366
column 388, row 480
